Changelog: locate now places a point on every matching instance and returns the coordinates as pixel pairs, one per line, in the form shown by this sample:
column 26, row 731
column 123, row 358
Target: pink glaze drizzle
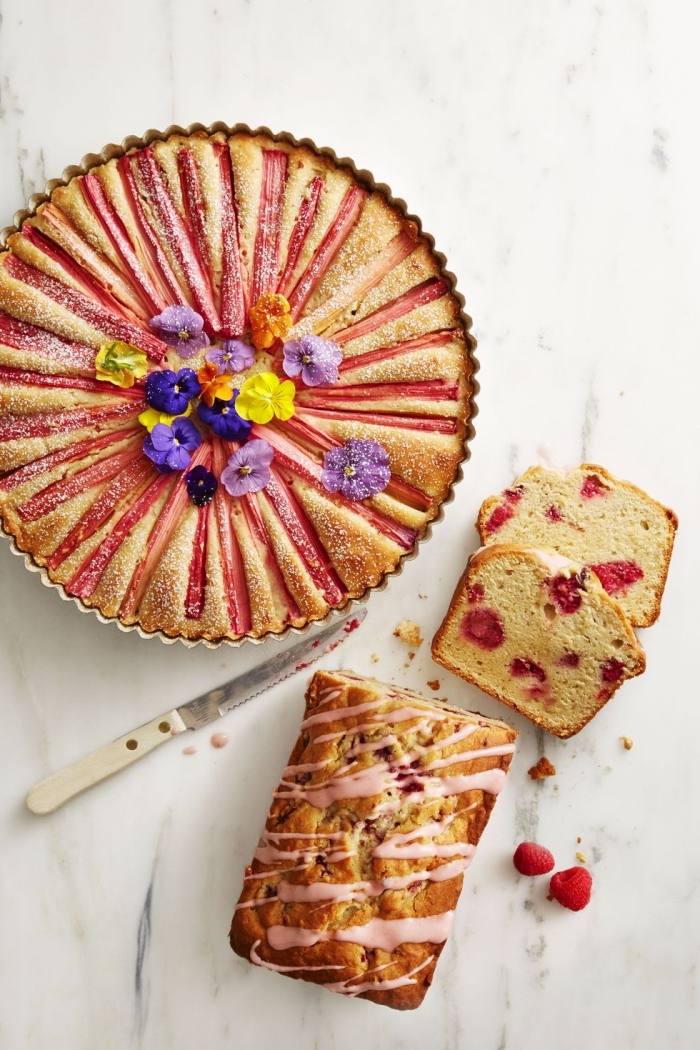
column 385, row 934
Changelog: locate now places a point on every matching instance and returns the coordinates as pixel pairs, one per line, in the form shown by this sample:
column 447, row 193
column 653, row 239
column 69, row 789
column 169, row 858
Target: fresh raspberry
column 572, row 888
column 521, row 668
column 617, row 576
column 592, row 486
column 484, row 627
column 532, row 859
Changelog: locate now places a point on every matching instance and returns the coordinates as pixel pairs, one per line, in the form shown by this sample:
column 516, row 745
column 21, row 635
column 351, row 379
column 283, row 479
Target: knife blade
column 60, row 787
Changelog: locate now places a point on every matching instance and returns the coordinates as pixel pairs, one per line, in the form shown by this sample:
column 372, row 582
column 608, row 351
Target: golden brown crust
column 346, row 840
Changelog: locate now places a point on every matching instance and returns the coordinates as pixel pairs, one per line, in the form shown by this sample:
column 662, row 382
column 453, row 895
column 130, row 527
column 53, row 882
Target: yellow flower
column 264, row 396
column 151, row 416
column 269, row 320
column 120, row 364
column 214, row 385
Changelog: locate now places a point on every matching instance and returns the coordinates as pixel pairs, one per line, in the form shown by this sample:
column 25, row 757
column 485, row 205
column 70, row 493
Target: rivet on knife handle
column 65, row 785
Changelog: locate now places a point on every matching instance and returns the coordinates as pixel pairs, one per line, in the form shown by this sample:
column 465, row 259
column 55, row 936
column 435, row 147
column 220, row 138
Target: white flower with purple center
column 248, row 469
column 357, row 469
column 232, row 356
column 315, row 359
column 182, row 328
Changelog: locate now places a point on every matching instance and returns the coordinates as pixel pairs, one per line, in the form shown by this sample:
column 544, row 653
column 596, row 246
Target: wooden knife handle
column 65, row 785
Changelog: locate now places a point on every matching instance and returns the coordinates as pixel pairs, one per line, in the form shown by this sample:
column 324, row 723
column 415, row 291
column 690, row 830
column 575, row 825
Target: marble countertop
column 552, row 151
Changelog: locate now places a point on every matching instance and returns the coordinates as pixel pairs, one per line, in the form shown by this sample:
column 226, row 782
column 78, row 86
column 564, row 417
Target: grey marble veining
column 552, row 151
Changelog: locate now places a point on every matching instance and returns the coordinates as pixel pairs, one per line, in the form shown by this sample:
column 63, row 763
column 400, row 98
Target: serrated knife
column 59, row 788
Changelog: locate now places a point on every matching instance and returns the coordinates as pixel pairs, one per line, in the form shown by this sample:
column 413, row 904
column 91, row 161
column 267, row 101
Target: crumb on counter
column 628, row 742
column 422, row 595
column 409, row 633
column 374, row 658
column 434, row 684
column 411, row 656
column 581, row 857
column 579, row 840
column 544, row 768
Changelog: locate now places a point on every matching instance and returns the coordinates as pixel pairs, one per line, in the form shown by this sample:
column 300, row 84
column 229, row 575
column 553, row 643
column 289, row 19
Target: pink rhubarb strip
column 66, row 488
column 233, row 295
column 235, row 585
column 304, row 222
column 43, row 424
column 267, row 237
column 386, row 353
column 421, row 295
column 21, row 335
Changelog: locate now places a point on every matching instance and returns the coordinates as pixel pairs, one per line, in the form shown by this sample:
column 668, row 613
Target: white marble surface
column 551, row 148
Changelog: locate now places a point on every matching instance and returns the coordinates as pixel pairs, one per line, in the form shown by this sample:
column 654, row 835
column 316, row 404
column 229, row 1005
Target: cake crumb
column 628, row 742
column 544, row 768
column 579, row 839
column 580, row 857
column 411, row 656
column 409, row 633
column 434, row 684
column 422, row 595
column 374, row 658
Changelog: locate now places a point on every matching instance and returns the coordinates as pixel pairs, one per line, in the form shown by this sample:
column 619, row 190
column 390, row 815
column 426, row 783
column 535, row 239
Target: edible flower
column 201, row 485
column 270, row 319
column 120, row 364
column 232, row 356
column 214, row 385
column 248, row 469
column 263, row 396
column 182, row 328
column 150, row 416
column 169, row 447
column 170, row 392
column 315, row 359
column 224, row 420
column 358, row 469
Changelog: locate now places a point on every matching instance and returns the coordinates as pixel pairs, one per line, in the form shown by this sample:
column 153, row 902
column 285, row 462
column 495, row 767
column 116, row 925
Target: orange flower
column 214, row 385
column 270, row 319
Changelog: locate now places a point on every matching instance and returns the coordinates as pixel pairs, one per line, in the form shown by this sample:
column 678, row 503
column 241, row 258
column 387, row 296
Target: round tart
column 235, row 384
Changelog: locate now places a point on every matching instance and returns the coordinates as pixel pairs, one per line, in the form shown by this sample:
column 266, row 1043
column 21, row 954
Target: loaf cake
column 609, row 525
column 354, row 883
column 538, row 632
column 234, row 384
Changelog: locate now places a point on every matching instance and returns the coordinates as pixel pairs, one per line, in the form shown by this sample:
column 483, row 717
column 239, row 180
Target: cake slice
column 354, row 883
column 611, row 526
column 538, row 632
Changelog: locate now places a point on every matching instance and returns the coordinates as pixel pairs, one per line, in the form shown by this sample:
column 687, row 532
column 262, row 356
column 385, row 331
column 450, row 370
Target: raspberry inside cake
column 356, row 877
column 611, row 526
column 234, row 385
column 538, row 632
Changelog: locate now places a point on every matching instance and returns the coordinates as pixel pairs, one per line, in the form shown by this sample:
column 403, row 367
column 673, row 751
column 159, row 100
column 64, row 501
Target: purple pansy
column 358, row 469
column 182, row 328
column 248, row 469
column 315, row 359
column 232, row 356
column 223, row 419
column 201, row 485
column 170, row 446
column 169, row 392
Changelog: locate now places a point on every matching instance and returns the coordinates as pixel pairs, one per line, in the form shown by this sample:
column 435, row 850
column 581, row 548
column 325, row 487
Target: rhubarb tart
column 235, row 384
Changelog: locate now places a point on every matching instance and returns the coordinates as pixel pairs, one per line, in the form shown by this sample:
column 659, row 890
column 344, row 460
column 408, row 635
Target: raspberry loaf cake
column 538, row 632
column 359, row 868
column 611, row 526
column 234, row 384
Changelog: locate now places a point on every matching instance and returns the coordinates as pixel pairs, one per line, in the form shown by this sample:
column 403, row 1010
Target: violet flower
column 201, row 485
column 248, row 469
column 169, row 447
column 224, row 420
column 232, row 356
column 315, row 359
column 358, row 469
column 171, row 393
column 182, row 328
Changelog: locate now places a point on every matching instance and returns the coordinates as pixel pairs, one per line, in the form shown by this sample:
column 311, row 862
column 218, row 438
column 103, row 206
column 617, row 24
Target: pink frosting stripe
column 385, row 934
column 345, row 988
